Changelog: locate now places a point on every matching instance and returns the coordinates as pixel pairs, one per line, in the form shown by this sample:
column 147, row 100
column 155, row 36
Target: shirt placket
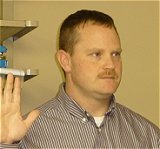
column 103, row 137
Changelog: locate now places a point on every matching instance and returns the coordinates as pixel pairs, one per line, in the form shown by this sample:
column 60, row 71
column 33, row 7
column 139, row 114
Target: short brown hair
column 69, row 36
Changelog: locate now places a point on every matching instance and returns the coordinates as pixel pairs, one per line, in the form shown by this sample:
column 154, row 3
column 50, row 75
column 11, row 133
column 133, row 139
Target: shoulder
column 135, row 119
column 52, row 103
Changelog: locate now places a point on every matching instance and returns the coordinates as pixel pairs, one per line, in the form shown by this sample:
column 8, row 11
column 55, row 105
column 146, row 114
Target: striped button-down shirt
column 64, row 124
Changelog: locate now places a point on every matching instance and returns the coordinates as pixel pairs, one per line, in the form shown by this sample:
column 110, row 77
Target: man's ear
column 64, row 59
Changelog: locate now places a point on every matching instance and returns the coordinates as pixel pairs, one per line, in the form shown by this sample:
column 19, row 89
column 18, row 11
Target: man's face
column 96, row 64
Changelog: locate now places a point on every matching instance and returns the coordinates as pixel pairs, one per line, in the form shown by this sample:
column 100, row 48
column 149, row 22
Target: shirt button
column 84, row 120
column 88, row 114
column 99, row 129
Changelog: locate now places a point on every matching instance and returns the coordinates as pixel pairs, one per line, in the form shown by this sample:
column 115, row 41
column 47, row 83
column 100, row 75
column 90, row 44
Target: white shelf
column 15, row 29
column 26, row 74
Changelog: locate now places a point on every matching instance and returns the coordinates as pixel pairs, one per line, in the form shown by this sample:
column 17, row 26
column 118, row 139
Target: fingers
column 12, row 89
column 1, row 83
column 8, row 88
column 1, row 88
column 1, row 95
column 31, row 118
column 17, row 90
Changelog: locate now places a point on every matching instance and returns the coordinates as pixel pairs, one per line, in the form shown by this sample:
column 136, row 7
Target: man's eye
column 115, row 54
column 96, row 54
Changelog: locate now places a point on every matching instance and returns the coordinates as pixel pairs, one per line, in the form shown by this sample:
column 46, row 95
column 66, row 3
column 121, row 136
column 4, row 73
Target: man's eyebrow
column 118, row 50
column 101, row 49
column 96, row 49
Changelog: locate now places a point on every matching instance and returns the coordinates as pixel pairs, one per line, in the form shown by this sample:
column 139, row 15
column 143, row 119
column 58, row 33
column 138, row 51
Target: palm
column 12, row 122
column 13, row 127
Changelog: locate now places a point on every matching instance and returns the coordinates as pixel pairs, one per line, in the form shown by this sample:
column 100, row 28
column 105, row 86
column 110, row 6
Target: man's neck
column 95, row 105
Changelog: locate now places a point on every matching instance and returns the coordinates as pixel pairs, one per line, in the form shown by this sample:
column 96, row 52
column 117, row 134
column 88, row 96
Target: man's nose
column 108, row 63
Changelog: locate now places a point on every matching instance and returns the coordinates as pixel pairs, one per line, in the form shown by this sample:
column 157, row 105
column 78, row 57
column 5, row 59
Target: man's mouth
column 107, row 77
column 109, row 74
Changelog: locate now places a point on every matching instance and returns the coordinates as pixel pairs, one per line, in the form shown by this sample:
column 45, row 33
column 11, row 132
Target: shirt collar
column 73, row 108
column 112, row 105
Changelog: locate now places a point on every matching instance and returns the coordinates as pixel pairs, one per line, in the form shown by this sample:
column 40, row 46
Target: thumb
column 31, row 118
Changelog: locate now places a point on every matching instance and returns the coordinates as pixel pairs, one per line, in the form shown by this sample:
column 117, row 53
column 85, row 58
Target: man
column 84, row 114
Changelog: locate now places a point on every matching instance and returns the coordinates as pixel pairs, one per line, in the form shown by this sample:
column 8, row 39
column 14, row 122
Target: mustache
column 110, row 73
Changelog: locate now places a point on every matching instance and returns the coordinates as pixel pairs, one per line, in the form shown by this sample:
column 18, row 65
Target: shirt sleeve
column 9, row 146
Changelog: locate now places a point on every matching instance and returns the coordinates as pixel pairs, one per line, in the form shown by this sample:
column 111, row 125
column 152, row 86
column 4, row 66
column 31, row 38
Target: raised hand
column 12, row 126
